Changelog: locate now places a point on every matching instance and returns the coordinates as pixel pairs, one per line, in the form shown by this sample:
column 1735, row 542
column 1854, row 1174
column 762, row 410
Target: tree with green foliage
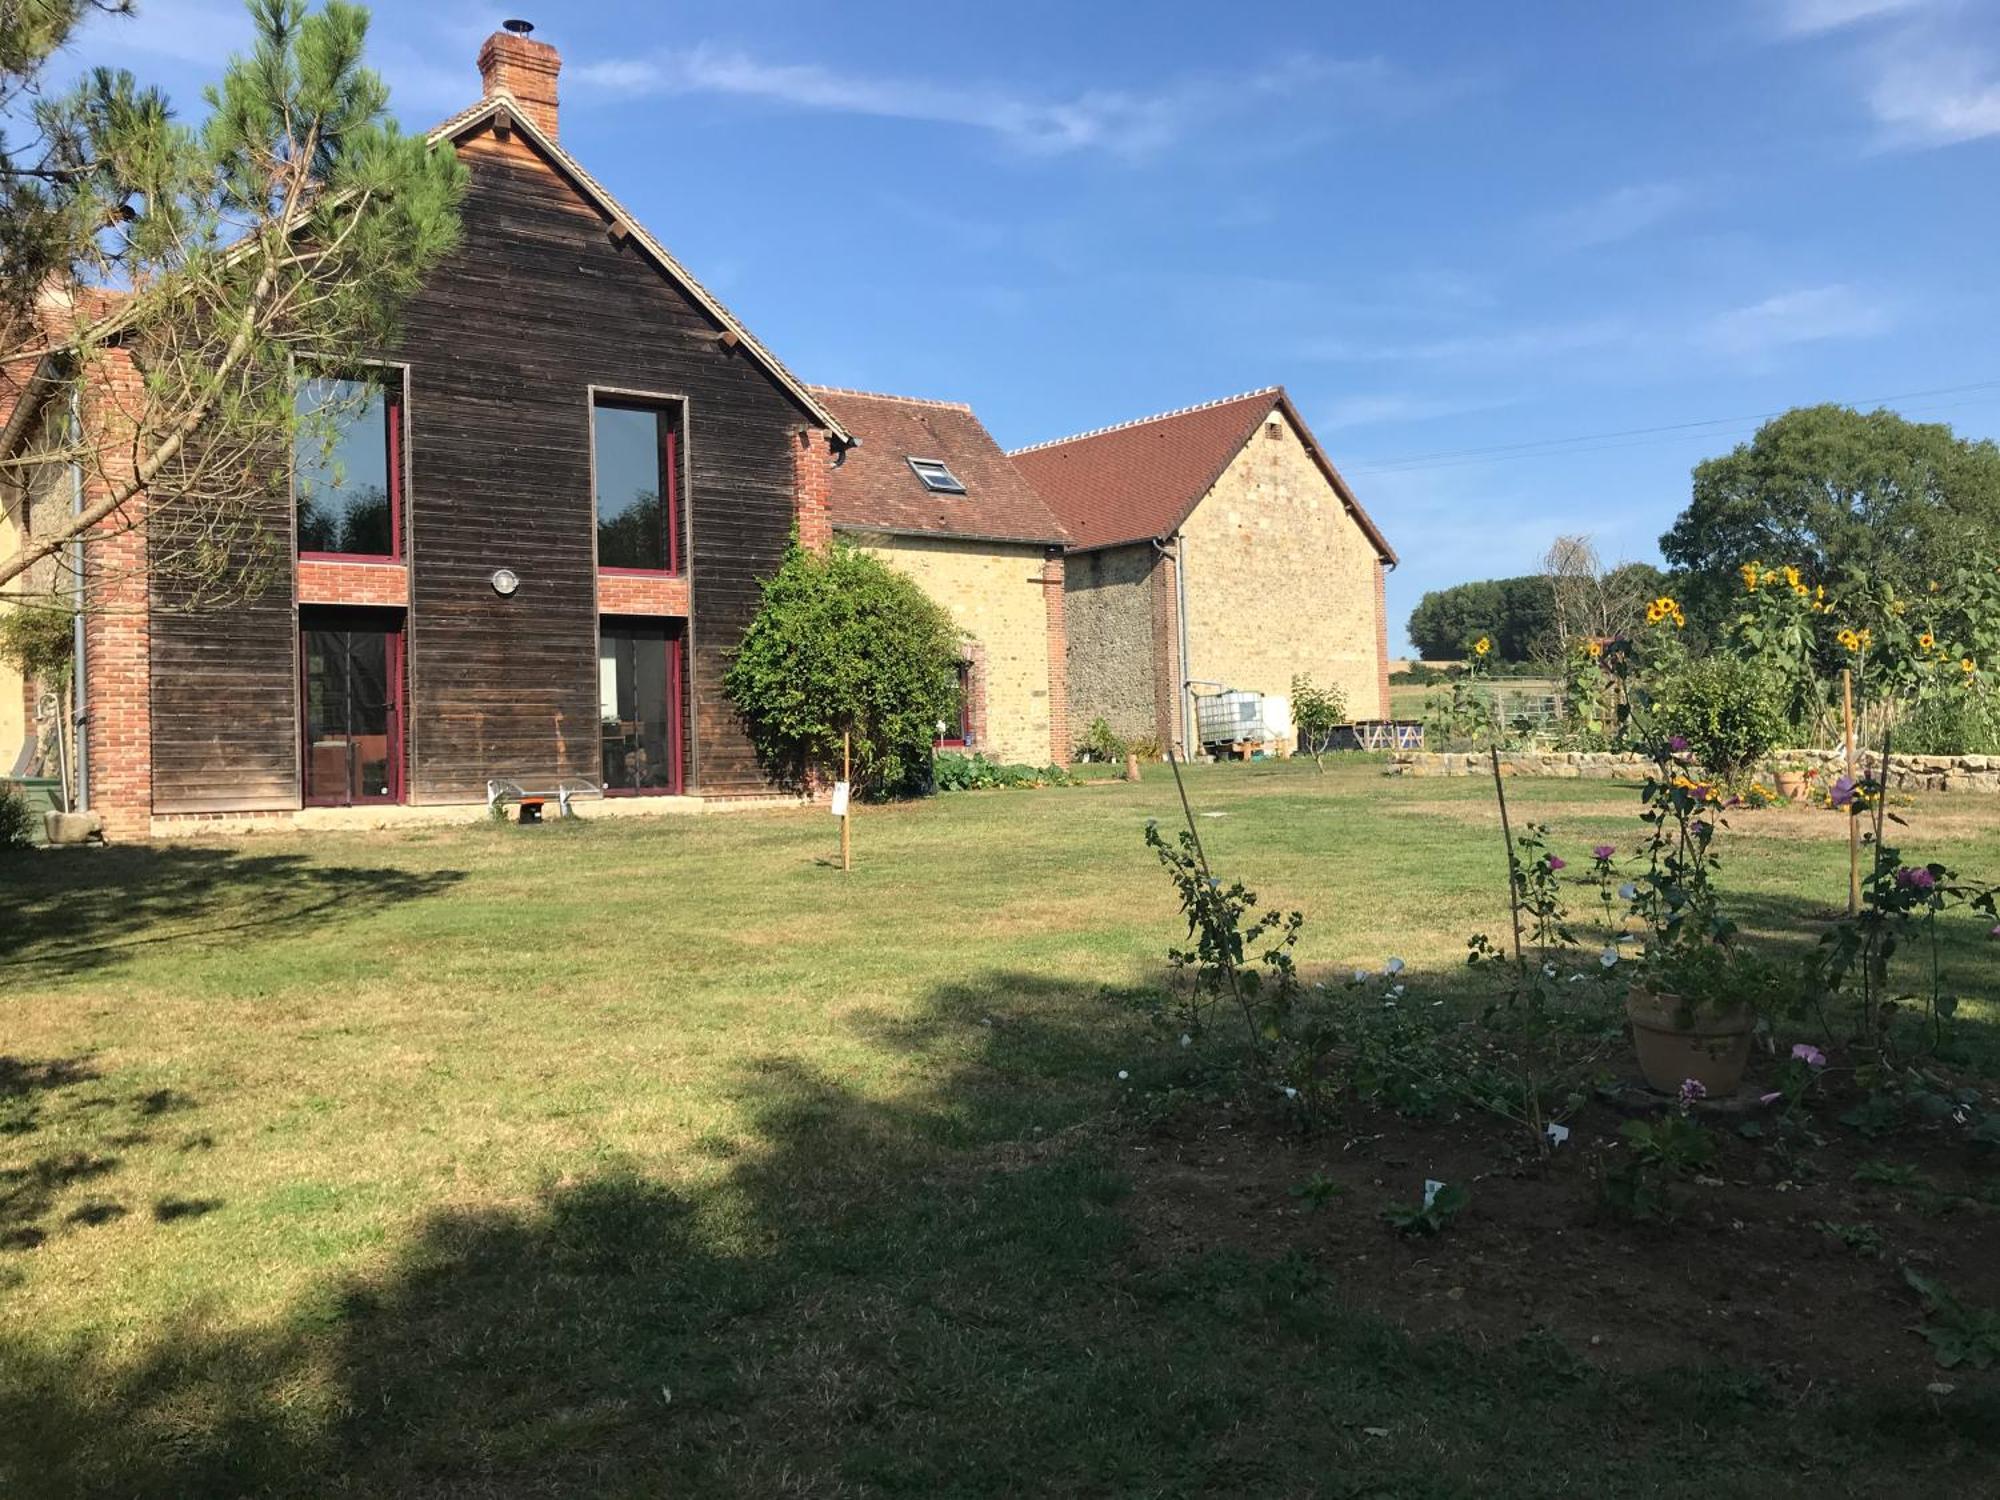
column 294, row 222
column 1828, row 489
column 1516, row 614
column 845, row 644
column 1318, row 712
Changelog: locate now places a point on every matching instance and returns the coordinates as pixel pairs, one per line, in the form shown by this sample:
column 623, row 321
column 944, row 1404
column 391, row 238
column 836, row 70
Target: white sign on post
column 839, row 808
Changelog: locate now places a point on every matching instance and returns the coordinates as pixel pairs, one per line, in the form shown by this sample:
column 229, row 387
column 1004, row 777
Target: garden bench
column 531, row 800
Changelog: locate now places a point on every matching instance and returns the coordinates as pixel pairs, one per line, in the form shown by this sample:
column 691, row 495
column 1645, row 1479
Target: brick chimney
column 524, row 68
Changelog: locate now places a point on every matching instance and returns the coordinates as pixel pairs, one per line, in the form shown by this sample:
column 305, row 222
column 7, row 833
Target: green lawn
column 658, row 1157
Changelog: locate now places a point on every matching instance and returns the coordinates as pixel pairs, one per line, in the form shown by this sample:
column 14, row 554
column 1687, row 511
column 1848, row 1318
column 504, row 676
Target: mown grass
column 660, row 1157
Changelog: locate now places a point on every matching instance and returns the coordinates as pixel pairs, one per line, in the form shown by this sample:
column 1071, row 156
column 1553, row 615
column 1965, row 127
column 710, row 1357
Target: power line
column 1457, row 457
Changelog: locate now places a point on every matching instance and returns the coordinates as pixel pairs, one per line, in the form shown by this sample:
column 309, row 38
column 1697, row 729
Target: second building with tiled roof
column 1215, row 545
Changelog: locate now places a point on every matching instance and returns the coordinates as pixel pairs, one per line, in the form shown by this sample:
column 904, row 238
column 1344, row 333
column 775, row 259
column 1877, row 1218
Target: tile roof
column 875, row 488
column 1141, row 479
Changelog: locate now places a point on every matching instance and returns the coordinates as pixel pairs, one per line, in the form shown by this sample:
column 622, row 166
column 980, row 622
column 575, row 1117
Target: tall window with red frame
column 348, row 465
column 957, row 736
column 637, row 453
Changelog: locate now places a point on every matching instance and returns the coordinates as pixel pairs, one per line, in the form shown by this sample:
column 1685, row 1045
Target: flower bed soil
column 1744, row 1277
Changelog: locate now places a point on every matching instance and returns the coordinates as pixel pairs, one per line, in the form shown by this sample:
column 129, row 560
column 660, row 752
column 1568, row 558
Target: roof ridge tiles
column 1181, row 411
column 847, row 390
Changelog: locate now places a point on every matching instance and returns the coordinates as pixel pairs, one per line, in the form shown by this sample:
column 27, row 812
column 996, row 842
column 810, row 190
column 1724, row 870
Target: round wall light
column 505, row 581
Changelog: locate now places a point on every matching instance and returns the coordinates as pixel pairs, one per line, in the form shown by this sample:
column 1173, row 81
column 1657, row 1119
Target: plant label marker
column 1557, row 1133
column 840, row 800
column 1432, row 1187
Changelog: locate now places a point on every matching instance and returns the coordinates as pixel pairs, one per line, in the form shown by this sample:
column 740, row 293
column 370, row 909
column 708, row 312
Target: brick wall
column 1381, row 643
column 997, row 594
column 1108, row 635
column 812, row 462
column 386, row 585
column 118, row 637
column 640, row 594
column 1281, row 580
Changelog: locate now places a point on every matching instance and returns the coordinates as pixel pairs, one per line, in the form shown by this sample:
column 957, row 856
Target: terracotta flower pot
column 1713, row 1051
column 1791, row 785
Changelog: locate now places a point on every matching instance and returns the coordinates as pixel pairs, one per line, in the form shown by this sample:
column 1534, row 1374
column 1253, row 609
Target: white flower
column 1609, row 957
column 1628, row 892
column 1291, row 1093
column 1123, row 1075
column 1550, row 970
column 1393, row 966
column 1186, row 1040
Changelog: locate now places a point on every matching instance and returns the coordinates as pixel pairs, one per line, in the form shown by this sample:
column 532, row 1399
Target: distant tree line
column 1826, row 489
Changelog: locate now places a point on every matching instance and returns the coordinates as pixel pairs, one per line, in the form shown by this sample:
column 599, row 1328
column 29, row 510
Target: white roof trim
column 519, row 118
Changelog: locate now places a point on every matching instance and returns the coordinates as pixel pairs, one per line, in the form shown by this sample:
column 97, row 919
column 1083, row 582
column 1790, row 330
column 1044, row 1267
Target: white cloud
column 1116, row 121
column 1936, row 98
column 1617, row 215
column 1806, row 316
column 1811, row 17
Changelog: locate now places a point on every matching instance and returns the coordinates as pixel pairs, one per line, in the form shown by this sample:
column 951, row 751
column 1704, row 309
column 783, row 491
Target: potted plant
column 1695, row 996
column 1694, row 1009
column 1791, row 778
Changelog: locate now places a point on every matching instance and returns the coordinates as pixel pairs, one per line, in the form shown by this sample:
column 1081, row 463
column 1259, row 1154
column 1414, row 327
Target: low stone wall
column 1907, row 773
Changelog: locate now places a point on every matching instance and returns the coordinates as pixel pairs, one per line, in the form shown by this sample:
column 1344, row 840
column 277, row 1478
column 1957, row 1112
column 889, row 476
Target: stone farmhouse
column 1214, row 545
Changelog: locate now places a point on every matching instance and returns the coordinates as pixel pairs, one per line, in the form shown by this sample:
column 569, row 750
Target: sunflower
column 1968, row 665
column 1750, row 574
column 1792, row 577
column 1849, row 640
column 1481, row 646
column 1596, row 649
column 1927, row 640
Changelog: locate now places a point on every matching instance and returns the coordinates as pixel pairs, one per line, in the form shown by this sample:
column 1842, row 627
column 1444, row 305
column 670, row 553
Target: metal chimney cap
column 518, row 27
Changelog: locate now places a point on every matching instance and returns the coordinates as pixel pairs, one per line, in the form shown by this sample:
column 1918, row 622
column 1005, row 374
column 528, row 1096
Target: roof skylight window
column 936, row 477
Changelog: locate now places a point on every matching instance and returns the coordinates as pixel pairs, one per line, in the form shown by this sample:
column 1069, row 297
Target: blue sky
column 1448, row 228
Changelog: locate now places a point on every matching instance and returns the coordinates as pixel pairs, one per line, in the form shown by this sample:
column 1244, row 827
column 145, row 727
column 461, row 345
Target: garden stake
column 1853, row 826
column 1513, row 889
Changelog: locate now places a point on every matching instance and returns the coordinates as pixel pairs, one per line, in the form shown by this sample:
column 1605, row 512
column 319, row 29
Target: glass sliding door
column 353, row 669
column 639, row 705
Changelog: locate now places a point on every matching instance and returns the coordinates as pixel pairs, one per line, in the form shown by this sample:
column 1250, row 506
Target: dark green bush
column 975, row 773
column 17, row 821
column 1727, row 710
column 1950, row 726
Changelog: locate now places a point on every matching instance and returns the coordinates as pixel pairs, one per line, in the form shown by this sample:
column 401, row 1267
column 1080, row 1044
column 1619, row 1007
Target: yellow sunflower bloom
column 1968, row 664
column 1481, row 646
column 1791, row 576
column 1927, row 640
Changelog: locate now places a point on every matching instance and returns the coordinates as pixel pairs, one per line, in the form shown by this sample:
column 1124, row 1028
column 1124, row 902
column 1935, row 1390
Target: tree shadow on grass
column 74, row 912
column 65, row 1132
column 907, row 1295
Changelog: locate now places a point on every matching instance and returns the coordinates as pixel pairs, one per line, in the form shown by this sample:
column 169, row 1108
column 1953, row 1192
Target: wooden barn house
column 541, row 535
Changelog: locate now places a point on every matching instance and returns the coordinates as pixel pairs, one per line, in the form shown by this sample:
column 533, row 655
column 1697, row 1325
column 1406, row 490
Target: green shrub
column 844, row 642
column 1727, row 710
column 1959, row 725
column 17, row 821
column 1318, row 712
column 1103, row 743
column 37, row 639
column 975, row 773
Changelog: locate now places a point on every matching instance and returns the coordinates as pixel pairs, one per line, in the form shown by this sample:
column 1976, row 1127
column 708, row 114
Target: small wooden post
column 847, row 813
column 1853, row 822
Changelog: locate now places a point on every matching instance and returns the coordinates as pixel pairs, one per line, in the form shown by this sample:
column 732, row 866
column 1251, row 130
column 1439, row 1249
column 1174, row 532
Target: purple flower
column 1808, row 1054
column 1557, row 862
column 1604, row 851
column 1693, row 1089
column 1995, row 933
column 1916, row 878
column 1843, row 792
column 1678, row 743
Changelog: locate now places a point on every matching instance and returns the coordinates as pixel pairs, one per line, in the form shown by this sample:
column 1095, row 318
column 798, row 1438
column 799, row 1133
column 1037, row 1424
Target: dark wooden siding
column 225, row 685
column 538, row 305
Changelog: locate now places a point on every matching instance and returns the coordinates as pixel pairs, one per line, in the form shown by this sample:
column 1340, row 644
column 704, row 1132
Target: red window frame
column 676, row 635
column 392, row 420
column 668, row 416
column 391, row 625
column 964, row 738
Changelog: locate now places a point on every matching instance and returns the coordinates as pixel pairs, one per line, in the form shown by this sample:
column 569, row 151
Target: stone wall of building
column 996, row 592
column 1281, row 581
column 1110, row 609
